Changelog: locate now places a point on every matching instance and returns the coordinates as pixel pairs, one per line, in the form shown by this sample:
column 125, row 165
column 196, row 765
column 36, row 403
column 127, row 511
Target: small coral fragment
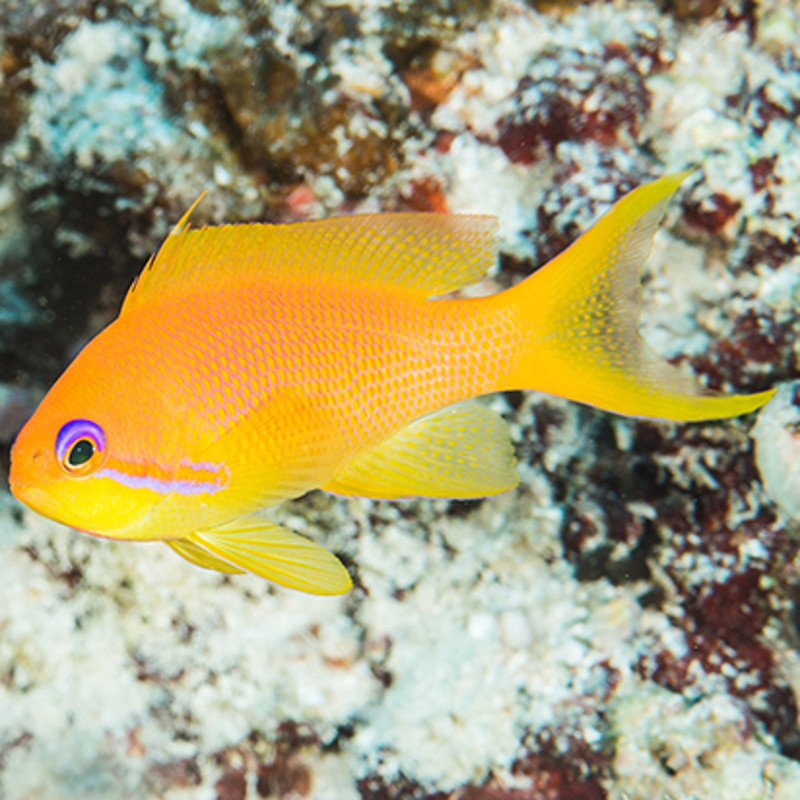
column 777, row 439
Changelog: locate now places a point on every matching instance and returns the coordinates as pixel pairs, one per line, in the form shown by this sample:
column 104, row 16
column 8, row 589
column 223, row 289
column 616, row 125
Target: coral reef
column 624, row 625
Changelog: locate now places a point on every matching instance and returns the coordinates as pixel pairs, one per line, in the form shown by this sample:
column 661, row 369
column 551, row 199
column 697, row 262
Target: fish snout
column 31, row 496
column 26, row 463
column 28, row 483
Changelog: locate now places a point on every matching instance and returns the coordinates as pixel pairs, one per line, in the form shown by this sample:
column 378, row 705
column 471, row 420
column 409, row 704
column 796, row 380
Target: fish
column 252, row 363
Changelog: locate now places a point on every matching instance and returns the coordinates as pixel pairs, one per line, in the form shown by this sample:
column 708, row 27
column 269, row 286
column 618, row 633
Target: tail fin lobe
column 581, row 312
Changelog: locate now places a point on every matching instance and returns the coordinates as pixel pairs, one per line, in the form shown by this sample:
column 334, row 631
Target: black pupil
column 81, row 452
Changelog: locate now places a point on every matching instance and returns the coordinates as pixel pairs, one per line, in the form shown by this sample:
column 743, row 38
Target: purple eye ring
column 80, row 446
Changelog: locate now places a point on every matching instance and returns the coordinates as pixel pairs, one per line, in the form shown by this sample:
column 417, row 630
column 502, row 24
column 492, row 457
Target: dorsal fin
column 429, row 253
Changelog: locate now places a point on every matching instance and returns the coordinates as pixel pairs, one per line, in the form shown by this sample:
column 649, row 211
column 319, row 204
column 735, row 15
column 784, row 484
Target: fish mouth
column 35, row 498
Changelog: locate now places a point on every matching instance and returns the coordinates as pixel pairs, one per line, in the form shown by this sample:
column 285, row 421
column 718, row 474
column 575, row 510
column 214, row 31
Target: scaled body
column 251, row 364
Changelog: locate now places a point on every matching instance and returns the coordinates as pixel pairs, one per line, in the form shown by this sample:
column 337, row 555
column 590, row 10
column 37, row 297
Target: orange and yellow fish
column 252, row 363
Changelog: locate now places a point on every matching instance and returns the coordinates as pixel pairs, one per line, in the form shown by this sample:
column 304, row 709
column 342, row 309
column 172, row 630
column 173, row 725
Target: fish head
column 65, row 462
column 52, row 463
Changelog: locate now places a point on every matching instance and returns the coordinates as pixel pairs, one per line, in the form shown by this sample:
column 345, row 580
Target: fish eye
column 80, row 446
column 80, row 453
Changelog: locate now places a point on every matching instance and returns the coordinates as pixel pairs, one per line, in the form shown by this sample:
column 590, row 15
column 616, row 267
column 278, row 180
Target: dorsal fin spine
column 183, row 222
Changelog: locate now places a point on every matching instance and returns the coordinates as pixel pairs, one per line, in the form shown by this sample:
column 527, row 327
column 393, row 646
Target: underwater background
column 626, row 623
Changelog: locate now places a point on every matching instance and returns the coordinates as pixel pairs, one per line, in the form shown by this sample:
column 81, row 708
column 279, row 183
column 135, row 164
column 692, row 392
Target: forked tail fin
column 581, row 312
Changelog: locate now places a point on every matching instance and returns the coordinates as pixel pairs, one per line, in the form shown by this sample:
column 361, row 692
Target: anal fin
column 270, row 551
column 202, row 558
column 461, row 451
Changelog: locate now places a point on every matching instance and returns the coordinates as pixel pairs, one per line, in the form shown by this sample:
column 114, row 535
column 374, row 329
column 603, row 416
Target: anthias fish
column 252, row 363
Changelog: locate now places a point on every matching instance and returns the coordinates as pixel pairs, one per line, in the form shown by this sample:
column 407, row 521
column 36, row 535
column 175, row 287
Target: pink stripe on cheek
column 207, row 480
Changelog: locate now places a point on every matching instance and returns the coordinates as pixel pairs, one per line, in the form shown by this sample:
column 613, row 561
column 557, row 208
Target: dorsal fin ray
column 429, row 253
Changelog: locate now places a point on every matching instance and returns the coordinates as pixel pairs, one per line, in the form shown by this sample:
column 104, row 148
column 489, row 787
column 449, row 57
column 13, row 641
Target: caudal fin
column 583, row 310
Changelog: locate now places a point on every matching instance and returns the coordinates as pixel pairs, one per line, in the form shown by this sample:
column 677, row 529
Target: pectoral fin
column 462, row 451
column 259, row 546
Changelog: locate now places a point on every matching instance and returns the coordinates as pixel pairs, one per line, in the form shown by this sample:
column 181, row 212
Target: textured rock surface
column 625, row 625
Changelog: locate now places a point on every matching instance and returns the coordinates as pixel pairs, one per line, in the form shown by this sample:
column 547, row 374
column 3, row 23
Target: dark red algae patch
column 725, row 587
column 747, row 668
column 714, row 215
column 606, row 534
column 575, row 96
column 232, row 785
column 183, row 773
column 542, row 775
column 373, row 787
column 762, row 247
column 735, row 610
column 573, row 774
column 555, row 227
column 555, row 791
column 676, row 513
column 284, row 773
column 273, row 765
column 284, row 777
column 756, row 354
